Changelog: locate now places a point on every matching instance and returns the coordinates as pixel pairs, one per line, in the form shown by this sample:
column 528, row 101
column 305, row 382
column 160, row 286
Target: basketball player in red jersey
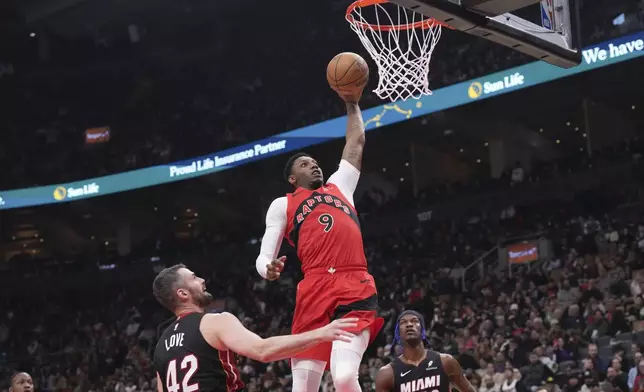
column 320, row 221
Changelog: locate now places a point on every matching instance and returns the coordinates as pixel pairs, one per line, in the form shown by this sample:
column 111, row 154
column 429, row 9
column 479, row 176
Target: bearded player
column 197, row 352
column 419, row 369
column 321, row 222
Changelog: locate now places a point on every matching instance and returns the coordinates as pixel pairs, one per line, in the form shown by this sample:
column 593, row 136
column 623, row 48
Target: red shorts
column 323, row 296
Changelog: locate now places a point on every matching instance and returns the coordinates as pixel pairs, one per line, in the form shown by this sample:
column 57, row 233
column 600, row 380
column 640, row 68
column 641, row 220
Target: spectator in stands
column 597, row 326
column 567, row 295
column 638, row 382
column 572, row 384
column 633, row 372
column 591, row 383
column 616, row 365
column 598, row 364
column 561, row 351
column 488, row 385
column 589, row 369
column 534, row 373
column 510, row 380
column 617, row 380
column 573, row 320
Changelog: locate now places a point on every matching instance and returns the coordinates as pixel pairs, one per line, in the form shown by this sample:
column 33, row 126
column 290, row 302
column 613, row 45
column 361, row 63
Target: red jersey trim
column 182, row 315
column 233, row 378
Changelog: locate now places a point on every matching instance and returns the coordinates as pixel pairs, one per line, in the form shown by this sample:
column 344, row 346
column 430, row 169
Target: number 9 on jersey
column 326, row 220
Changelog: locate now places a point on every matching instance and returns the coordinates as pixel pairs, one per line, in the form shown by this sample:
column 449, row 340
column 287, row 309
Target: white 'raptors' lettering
column 310, row 203
column 421, row 384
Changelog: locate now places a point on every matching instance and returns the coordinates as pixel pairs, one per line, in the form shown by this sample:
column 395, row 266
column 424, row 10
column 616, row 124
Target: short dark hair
column 14, row 375
column 165, row 284
column 288, row 169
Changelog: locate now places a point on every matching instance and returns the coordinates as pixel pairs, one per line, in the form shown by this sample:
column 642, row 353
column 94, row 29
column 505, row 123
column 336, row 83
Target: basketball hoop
column 401, row 42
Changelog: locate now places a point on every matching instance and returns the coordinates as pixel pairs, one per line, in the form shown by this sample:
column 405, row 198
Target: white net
column 401, row 43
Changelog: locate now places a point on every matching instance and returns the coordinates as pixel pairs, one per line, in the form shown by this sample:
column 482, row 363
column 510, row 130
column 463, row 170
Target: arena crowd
column 165, row 100
column 572, row 321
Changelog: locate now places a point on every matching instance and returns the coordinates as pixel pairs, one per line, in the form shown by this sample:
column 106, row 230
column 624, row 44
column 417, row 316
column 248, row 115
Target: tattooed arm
column 355, row 137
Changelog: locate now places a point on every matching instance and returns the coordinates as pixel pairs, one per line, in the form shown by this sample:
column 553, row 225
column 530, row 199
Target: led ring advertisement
column 597, row 56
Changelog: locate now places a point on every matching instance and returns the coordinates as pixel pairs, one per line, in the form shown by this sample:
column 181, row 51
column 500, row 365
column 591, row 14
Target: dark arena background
column 138, row 134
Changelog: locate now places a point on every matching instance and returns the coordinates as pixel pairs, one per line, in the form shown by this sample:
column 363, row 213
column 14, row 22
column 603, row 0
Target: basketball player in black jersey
column 419, row 369
column 21, row 382
column 196, row 353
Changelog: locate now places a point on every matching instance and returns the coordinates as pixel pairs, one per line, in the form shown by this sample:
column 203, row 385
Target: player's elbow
column 263, row 358
column 262, row 352
column 362, row 139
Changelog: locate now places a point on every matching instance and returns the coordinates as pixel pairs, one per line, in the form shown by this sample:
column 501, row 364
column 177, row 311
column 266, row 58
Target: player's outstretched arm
column 455, row 374
column 225, row 332
column 268, row 265
column 385, row 379
column 348, row 174
column 355, row 136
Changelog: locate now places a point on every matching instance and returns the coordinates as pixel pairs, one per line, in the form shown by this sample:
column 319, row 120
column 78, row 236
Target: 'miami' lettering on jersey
column 421, row 384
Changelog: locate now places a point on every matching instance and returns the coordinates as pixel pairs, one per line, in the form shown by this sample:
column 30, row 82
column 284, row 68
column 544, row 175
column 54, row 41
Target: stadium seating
column 81, row 323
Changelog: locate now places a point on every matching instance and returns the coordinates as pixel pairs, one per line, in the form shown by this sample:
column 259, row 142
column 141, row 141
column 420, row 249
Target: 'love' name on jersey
column 175, row 340
column 421, row 384
column 316, row 199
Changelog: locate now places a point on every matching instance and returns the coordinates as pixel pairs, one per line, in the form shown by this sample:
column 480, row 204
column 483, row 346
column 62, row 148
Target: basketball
column 347, row 72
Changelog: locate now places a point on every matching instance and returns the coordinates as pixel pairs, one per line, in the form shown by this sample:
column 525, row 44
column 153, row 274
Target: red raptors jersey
column 324, row 229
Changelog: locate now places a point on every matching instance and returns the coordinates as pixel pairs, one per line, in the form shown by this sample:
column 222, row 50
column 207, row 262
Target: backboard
column 553, row 42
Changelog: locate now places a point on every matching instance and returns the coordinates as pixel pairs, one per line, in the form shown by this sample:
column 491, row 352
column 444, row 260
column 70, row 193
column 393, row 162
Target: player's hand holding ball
column 348, row 74
column 337, row 330
column 274, row 268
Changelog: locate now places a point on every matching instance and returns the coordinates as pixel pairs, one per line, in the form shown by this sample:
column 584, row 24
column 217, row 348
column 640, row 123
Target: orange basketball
column 347, row 71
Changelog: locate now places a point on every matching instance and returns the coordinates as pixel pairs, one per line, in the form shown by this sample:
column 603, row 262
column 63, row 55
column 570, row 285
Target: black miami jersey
column 185, row 362
column 428, row 376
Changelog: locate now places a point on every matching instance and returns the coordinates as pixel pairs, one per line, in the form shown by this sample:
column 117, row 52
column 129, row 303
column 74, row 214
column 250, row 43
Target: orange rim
column 421, row 24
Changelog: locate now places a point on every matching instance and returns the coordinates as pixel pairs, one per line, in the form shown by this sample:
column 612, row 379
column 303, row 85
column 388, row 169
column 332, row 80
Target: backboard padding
column 496, row 7
column 554, row 47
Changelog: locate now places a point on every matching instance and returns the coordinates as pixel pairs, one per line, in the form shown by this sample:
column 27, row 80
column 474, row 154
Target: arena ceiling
column 75, row 18
column 86, row 17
